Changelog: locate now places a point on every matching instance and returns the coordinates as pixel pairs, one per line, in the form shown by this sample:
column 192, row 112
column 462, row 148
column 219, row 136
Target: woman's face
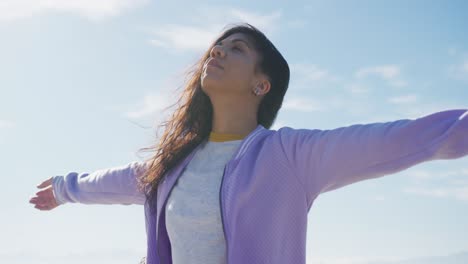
column 236, row 58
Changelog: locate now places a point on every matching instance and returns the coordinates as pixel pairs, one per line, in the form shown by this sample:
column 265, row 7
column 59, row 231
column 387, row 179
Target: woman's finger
column 44, row 196
column 41, row 193
column 44, row 207
column 42, row 200
column 34, row 200
column 40, row 207
column 45, row 192
column 45, row 183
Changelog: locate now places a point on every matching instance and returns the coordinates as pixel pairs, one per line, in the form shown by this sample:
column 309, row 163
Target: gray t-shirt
column 193, row 214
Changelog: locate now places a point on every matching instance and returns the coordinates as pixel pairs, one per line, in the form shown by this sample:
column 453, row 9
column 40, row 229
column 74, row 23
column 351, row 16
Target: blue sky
column 83, row 85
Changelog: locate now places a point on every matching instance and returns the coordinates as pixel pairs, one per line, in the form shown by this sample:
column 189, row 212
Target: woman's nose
column 217, row 50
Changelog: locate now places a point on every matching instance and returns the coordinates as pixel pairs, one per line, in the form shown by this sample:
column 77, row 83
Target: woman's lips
column 214, row 63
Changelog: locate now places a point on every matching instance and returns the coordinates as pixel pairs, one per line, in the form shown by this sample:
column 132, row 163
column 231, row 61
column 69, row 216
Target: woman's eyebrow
column 236, row 40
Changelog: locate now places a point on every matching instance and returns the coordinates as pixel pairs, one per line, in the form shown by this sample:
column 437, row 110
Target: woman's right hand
column 44, row 199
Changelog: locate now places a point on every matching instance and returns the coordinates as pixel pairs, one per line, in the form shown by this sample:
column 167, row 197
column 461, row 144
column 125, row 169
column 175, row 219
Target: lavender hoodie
column 271, row 182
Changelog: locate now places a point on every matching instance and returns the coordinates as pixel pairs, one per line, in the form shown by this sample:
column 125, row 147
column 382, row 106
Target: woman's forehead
column 238, row 35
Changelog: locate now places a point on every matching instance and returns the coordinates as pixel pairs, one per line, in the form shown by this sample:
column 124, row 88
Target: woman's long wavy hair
column 191, row 122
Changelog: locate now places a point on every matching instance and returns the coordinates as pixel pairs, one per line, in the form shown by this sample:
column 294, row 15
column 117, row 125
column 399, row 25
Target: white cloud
column 309, row 72
column 450, row 184
column 357, row 88
column 98, row 256
column 398, row 83
column 11, row 10
column 459, row 71
column 455, row 258
column 6, row 124
column 431, row 175
column 459, row 193
column 264, row 22
column 380, row 198
column 350, row 260
column 152, row 105
column 297, row 23
column 222, row 15
column 452, row 51
column 184, row 38
column 422, row 175
column 404, row 99
column 301, row 104
column 307, row 76
column 198, row 37
column 413, row 111
column 390, row 73
column 386, row 71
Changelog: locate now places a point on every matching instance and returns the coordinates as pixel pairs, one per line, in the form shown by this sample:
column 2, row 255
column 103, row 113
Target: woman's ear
column 264, row 86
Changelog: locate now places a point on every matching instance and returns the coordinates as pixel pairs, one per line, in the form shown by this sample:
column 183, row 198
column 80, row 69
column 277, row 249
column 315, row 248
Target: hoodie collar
column 248, row 140
column 244, row 145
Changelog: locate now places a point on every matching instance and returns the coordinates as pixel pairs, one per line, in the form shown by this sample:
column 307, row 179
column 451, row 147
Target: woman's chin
column 209, row 80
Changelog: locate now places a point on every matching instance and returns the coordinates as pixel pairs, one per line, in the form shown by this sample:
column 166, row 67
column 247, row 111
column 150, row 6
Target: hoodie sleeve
column 117, row 185
column 324, row 160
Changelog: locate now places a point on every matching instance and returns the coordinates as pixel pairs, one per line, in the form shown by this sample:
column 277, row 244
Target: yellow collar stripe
column 221, row 137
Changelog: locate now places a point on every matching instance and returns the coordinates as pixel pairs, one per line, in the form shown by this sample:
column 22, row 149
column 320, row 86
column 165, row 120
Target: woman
column 224, row 188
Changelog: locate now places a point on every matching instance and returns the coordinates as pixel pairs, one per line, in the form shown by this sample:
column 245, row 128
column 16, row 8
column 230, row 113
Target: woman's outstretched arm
column 325, row 160
column 117, row 185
